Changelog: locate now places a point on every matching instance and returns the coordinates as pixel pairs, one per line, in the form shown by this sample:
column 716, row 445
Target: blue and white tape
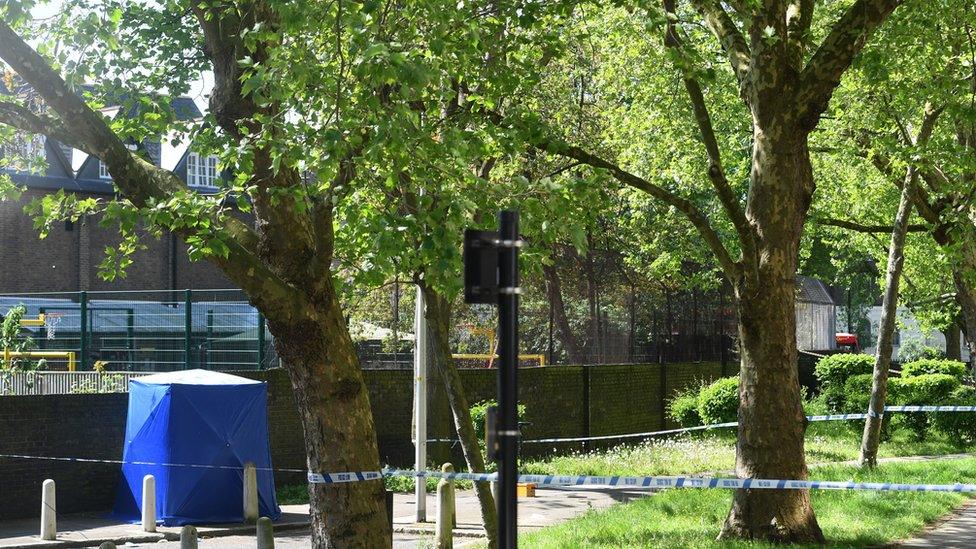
column 830, row 417
column 654, row 481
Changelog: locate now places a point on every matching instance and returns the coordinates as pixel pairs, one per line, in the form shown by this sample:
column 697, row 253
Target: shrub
column 921, row 390
column 924, row 366
column 915, row 349
column 480, row 411
column 834, row 370
column 960, row 427
column 683, row 408
column 719, row 402
column 857, row 396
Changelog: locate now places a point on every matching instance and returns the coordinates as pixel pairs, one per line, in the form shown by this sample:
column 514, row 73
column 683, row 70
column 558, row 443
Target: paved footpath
column 549, row 507
column 958, row 531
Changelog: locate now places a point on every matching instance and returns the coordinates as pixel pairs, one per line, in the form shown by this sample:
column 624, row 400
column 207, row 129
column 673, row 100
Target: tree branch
column 23, row 119
column 863, row 228
column 695, row 215
column 140, row 181
column 716, row 173
column 724, row 29
column 823, row 72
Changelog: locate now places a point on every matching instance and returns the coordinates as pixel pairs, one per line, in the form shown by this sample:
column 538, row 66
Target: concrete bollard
column 265, row 533
column 444, row 528
column 49, row 513
column 149, row 503
column 107, row 545
column 188, row 537
column 250, row 492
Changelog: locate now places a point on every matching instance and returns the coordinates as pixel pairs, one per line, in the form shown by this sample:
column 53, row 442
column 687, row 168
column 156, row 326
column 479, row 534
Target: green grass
column 714, row 452
column 693, row 517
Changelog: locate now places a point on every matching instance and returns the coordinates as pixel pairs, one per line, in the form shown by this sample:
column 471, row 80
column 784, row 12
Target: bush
column 960, row 427
column 922, row 390
column 480, row 411
column 914, row 348
column 719, row 402
column 683, row 408
column 924, row 366
column 857, row 397
column 834, row 370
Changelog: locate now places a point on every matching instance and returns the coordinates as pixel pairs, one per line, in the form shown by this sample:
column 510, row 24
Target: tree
column 882, row 361
column 310, row 100
column 785, row 89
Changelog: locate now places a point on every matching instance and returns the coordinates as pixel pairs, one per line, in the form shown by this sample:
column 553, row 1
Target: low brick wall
column 561, row 401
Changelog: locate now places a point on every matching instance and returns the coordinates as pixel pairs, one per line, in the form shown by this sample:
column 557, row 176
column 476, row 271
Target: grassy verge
column 715, row 452
column 692, row 517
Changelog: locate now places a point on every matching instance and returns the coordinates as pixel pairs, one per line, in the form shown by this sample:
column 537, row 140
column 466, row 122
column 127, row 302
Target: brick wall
column 67, row 259
column 620, row 399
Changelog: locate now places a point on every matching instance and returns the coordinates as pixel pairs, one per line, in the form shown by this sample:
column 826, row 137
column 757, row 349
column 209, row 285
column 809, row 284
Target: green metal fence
column 148, row 331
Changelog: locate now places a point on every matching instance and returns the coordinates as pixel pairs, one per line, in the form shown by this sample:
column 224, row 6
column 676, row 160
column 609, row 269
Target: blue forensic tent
column 195, row 430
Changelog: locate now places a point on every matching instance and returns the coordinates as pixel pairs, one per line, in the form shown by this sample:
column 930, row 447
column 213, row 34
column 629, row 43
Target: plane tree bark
column 283, row 263
column 896, row 260
column 786, row 94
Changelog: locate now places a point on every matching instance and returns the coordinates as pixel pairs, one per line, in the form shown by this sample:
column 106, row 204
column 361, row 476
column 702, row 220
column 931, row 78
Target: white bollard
column 148, row 503
column 49, row 514
column 444, row 528
column 188, row 537
column 265, row 533
column 250, row 492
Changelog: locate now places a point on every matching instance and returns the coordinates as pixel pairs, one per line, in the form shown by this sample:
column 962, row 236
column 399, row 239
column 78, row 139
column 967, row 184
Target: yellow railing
column 540, row 358
column 66, row 355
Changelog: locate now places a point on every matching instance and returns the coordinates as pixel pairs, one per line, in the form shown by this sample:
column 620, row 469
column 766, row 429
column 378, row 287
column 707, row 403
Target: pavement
column 956, row 531
column 88, row 530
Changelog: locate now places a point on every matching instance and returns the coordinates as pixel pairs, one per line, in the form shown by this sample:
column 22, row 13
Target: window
column 25, row 152
column 201, row 171
column 103, row 171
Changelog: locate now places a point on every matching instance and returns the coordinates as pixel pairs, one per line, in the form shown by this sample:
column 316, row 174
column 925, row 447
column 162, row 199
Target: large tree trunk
column 438, row 316
column 771, row 419
column 339, row 435
column 554, row 292
column 953, row 337
column 882, row 361
column 966, row 299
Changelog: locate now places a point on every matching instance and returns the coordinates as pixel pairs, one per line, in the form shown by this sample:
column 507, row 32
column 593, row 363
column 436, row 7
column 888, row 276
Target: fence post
column 444, row 528
column 49, row 513
column 149, row 503
column 260, row 341
column 187, row 327
column 250, row 492
column 83, row 332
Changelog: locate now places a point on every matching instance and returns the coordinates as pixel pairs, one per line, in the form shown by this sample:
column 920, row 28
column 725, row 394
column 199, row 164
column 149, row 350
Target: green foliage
column 12, row 340
column 857, row 393
column 719, row 402
column 480, row 411
column 924, row 366
column 104, row 383
column 834, row 370
column 921, row 390
column 683, row 408
column 914, row 349
column 960, row 427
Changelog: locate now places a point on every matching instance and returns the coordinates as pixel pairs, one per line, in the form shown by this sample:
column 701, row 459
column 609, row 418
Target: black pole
column 508, row 288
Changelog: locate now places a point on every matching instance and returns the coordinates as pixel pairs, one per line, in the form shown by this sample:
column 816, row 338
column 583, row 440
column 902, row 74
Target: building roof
column 811, row 290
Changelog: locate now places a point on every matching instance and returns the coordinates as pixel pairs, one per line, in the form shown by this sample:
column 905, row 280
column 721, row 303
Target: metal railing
column 147, row 331
column 62, row 383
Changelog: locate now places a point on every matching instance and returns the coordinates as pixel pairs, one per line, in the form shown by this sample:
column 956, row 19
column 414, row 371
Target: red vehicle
column 848, row 342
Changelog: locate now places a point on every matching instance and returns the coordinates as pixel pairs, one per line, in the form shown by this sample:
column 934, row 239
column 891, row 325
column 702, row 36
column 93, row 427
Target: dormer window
column 201, row 171
column 103, row 171
column 25, row 152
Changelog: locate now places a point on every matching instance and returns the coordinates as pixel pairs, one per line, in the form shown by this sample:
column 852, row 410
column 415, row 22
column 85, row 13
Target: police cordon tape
column 611, row 482
column 830, row 417
column 623, row 482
